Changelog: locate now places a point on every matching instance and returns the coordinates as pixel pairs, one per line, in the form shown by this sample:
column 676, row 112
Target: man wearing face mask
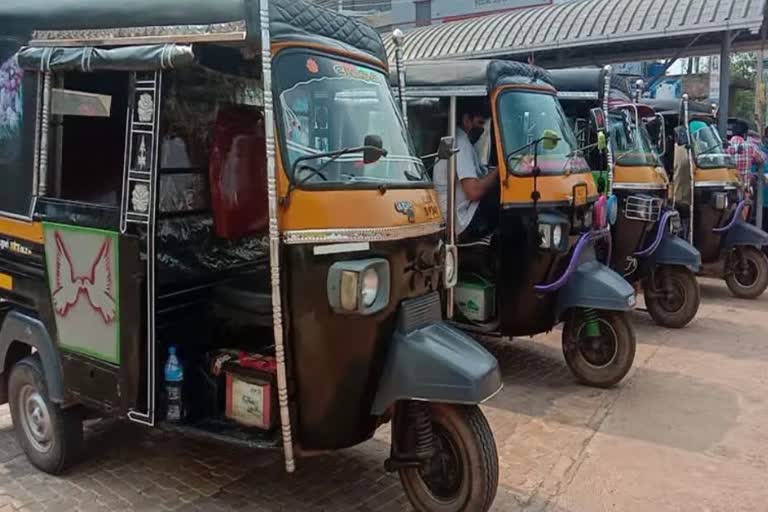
column 476, row 204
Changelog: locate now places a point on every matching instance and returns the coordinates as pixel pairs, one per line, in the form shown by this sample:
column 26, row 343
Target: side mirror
column 550, row 139
column 445, row 149
column 373, row 149
column 602, row 141
column 598, row 119
column 681, row 136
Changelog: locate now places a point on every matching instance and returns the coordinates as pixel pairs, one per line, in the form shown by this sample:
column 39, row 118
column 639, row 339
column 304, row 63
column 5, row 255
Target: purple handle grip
column 736, row 215
column 659, row 236
column 582, row 244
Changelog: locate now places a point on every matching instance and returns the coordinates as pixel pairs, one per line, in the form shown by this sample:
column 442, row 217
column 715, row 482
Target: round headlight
column 613, row 209
column 450, row 266
column 557, row 235
column 370, row 287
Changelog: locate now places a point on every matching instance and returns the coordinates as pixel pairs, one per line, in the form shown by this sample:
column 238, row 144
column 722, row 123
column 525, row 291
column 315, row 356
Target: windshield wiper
column 711, row 149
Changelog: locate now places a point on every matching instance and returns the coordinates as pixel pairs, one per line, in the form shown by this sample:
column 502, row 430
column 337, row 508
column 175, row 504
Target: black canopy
column 674, row 107
column 590, row 80
column 95, row 23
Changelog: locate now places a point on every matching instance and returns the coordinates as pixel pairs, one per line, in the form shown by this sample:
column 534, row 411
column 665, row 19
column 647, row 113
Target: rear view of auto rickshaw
column 536, row 267
column 647, row 250
column 227, row 189
column 710, row 196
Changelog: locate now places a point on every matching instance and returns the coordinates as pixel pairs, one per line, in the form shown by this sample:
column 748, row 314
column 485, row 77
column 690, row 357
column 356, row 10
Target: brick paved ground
column 684, row 432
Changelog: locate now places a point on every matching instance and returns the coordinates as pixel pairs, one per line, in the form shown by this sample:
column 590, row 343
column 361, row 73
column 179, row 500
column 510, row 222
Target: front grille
column 419, row 312
column 643, row 208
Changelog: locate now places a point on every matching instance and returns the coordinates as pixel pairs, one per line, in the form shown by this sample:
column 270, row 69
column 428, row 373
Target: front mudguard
column 595, row 286
column 743, row 233
column 436, row 363
column 673, row 250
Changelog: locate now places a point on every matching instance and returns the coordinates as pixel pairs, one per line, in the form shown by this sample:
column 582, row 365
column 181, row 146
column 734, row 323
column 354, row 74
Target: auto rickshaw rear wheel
column 746, row 272
column 599, row 346
column 462, row 474
column 672, row 296
column 51, row 437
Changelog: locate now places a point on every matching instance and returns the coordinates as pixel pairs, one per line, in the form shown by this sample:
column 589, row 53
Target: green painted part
column 474, row 281
column 74, row 347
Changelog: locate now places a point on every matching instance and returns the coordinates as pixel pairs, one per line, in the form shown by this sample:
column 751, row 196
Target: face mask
column 475, row 134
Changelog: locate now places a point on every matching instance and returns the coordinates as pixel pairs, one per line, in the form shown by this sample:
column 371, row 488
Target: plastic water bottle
column 174, row 379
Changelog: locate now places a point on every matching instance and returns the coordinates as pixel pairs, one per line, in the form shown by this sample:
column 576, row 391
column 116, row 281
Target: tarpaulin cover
column 128, row 58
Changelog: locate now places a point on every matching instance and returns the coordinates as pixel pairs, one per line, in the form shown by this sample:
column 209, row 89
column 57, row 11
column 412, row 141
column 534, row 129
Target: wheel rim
column 598, row 351
column 35, row 419
column 746, row 275
column 443, row 473
column 676, row 299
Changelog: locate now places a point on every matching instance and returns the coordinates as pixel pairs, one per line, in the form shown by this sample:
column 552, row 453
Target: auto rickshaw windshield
column 708, row 148
column 328, row 105
column 524, row 116
column 632, row 144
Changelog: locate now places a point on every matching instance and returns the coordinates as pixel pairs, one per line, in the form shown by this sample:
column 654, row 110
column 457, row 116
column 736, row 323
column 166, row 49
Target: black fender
column 436, row 363
column 744, row 233
column 673, row 250
column 18, row 327
column 593, row 285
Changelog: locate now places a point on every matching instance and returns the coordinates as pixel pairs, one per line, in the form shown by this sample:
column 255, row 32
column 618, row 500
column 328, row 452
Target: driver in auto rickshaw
column 477, row 197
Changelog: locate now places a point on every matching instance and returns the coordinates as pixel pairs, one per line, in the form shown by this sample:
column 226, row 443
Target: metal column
column 725, row 83
column 451, row 203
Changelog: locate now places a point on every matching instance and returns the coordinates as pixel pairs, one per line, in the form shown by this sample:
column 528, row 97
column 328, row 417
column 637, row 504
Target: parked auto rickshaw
column 730, row 247
column 646, row 248
column 233, row 186
column 539, row 266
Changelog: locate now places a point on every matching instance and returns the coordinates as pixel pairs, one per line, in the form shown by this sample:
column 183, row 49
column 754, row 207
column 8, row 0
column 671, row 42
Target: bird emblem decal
column 97, row 286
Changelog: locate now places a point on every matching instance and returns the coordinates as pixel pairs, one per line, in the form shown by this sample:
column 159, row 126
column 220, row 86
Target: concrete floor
column 684, row 432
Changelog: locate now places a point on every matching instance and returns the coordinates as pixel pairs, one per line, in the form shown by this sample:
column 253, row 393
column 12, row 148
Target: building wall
column 403, row 13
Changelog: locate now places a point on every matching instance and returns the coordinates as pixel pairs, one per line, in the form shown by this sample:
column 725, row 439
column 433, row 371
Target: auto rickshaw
column 539, row 267
column 232, row 184
column 646, row 248
column 730, row 247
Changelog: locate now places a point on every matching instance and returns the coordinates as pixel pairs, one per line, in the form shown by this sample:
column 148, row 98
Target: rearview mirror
column 373, row 149
column 598, row 119
column 445, row 149
column 550, row 139
column 602, row 141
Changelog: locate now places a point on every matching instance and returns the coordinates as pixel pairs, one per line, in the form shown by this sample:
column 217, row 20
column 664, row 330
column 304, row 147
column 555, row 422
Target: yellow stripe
column 23, row 230
column 6, row 282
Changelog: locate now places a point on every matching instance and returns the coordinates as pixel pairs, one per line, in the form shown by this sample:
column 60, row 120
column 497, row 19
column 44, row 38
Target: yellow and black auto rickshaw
column 227, row 188
column 713, row 208
column 538, row 268
column 647, row 250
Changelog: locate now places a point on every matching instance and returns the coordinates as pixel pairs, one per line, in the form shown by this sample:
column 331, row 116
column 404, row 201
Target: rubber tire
column 67, row 423
column 472, row 435
column 761, row 283
column 626, row 346
column 688, row 282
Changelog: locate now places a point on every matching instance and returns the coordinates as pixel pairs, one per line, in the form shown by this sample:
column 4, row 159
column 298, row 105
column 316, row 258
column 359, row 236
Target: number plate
column 580, row 195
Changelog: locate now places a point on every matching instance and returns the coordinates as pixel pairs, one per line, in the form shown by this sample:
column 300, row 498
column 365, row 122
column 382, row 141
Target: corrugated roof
column 578, row 23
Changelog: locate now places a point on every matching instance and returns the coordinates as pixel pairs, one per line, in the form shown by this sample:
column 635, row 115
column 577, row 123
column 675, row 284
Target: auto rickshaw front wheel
column 746, row 272
column 672, row 296
column 462, row 473
column 51, row 437
column 599, row 346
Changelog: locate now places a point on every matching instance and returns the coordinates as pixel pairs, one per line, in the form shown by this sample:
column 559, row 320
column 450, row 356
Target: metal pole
column 725, row 84
column 399, row 38
column 274, row 238
column 42, row 183
column 760, row 114
column 639, row 86
column 691, row 166
column 608, row 152
column 451, row 199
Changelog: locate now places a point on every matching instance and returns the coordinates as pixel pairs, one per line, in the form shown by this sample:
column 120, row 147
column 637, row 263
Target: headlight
column 370, row 287
column 557, row 235
column 720, row 200
column 360, row 287
column 450, row 273
column 545, row 236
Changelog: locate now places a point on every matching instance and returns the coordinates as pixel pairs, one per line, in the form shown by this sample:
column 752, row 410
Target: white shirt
column 467, row 166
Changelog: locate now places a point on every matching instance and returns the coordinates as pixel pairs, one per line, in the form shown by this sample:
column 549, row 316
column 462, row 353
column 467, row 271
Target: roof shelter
column 597, row 32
